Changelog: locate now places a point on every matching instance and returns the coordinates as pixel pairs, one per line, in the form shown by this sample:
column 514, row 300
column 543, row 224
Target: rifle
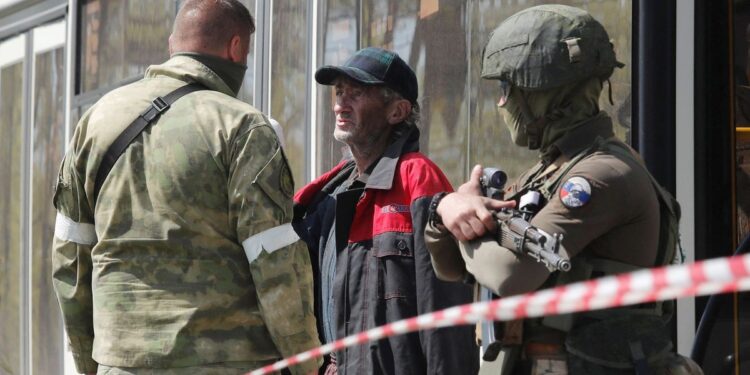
column 519, row 236
column 514, row 231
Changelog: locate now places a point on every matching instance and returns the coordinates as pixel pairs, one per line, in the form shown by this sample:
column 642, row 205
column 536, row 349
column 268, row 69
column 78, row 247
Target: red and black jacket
column 382, row 270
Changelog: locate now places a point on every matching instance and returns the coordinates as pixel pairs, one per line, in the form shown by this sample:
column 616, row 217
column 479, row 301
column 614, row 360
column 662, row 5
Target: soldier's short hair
column 213, row 22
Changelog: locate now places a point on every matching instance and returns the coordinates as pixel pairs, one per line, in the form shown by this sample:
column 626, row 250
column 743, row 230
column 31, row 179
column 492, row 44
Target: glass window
column 424, row 33
column 11, row 175
column 742, row 115
column 119, row 39
column 289, row 79
column 491, row 144
column 337, row 42
column 76, row 114
column 48, row 148
column 732, row 342
column 136, row 36
column 742, row 187
column 247, row 90
column 442, row 41
column 7, row 3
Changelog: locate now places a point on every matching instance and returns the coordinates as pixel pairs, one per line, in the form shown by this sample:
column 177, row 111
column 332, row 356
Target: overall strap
column 669, row 242
column 586, row 266
column 550, row 186
column 157, row 107
column 660, row 191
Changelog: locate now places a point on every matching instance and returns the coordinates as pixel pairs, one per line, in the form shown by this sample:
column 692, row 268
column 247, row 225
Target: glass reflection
column 442, row 40
column 135, row 37
column 732, row 341
column 338, row 41
column 424, row 33
column 421, row 32
column 77, row 113
column 11, row 138
column 438, row 54
column 289, row 80
column 48, row 150
column 121, row 38
column 741, row 54
column 246, row 93
column 490, row 143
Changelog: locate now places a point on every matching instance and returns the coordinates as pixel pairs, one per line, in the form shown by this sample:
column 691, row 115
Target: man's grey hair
column 390, row 95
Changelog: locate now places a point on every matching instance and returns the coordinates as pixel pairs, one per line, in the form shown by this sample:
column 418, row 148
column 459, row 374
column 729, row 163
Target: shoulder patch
column 286, row 183
column 575, row 192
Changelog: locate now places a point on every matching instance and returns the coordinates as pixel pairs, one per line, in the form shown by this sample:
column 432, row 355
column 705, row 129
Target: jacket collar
column 188, row 69
column 381, row 176
column 581, row 138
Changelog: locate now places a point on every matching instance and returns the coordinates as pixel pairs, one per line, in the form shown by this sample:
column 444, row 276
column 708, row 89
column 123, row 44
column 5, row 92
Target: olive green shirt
column 187, row 257
column 619, row 222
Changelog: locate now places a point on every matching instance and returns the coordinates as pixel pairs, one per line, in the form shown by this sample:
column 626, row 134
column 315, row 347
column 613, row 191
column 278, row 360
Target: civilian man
column 364, row 222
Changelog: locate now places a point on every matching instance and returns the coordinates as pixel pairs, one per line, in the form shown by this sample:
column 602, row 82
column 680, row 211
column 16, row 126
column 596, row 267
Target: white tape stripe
column 68, row 230
column 376, row 334
column 636, row 287
column 400, row 327
column 269, row 240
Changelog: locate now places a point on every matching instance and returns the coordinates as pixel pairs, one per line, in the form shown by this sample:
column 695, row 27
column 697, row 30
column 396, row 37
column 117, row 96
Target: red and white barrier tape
column 708, row 277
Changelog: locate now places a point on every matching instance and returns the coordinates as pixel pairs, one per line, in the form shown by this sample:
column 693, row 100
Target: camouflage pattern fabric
column 187, row 257
column 237, row 368
column 548, row 46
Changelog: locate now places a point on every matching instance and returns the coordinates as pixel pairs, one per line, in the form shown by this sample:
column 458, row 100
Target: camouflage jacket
column 187, row 256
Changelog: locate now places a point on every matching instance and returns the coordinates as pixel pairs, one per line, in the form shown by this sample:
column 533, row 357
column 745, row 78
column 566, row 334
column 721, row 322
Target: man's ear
column 236, row 53
column 170, row 43
column 398, row 111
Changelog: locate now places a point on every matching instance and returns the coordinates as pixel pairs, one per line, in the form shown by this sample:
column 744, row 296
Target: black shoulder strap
column 157, row 107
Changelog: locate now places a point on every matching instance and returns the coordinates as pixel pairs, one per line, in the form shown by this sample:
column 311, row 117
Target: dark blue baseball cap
column 374, row 66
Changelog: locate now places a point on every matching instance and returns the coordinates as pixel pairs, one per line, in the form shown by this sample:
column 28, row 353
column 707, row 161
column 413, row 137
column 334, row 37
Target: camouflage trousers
column 216, row 369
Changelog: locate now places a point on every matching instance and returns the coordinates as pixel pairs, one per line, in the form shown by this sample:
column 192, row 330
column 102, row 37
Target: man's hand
column 466, row 213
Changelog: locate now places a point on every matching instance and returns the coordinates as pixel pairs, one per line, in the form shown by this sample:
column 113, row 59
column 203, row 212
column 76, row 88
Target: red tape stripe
column 713, row 276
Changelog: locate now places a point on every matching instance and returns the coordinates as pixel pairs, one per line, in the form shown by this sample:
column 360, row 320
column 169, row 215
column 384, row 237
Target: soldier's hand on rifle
column 473, row 186
column 466, row 213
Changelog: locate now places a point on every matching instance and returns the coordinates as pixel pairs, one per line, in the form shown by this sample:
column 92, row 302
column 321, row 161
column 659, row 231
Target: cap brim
column 327, row 74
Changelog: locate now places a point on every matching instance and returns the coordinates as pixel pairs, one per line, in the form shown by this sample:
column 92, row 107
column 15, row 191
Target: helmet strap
column 609, row 85
column 534, row 126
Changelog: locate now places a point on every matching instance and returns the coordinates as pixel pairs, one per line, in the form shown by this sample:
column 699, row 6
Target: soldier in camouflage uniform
column 551, row 63
column 186, row 262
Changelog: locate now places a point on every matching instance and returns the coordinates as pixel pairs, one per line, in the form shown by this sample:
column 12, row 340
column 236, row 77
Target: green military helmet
column 548, row 46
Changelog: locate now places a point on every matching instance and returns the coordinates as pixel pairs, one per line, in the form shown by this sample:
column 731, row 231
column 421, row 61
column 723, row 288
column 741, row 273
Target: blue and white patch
column 575, row 192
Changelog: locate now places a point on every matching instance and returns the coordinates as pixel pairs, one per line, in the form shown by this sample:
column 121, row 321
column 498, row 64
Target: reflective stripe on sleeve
column 269, row 240
column 68, row 230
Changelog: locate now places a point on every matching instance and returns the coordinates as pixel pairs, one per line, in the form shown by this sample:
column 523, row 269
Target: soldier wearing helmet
column 550, row 63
